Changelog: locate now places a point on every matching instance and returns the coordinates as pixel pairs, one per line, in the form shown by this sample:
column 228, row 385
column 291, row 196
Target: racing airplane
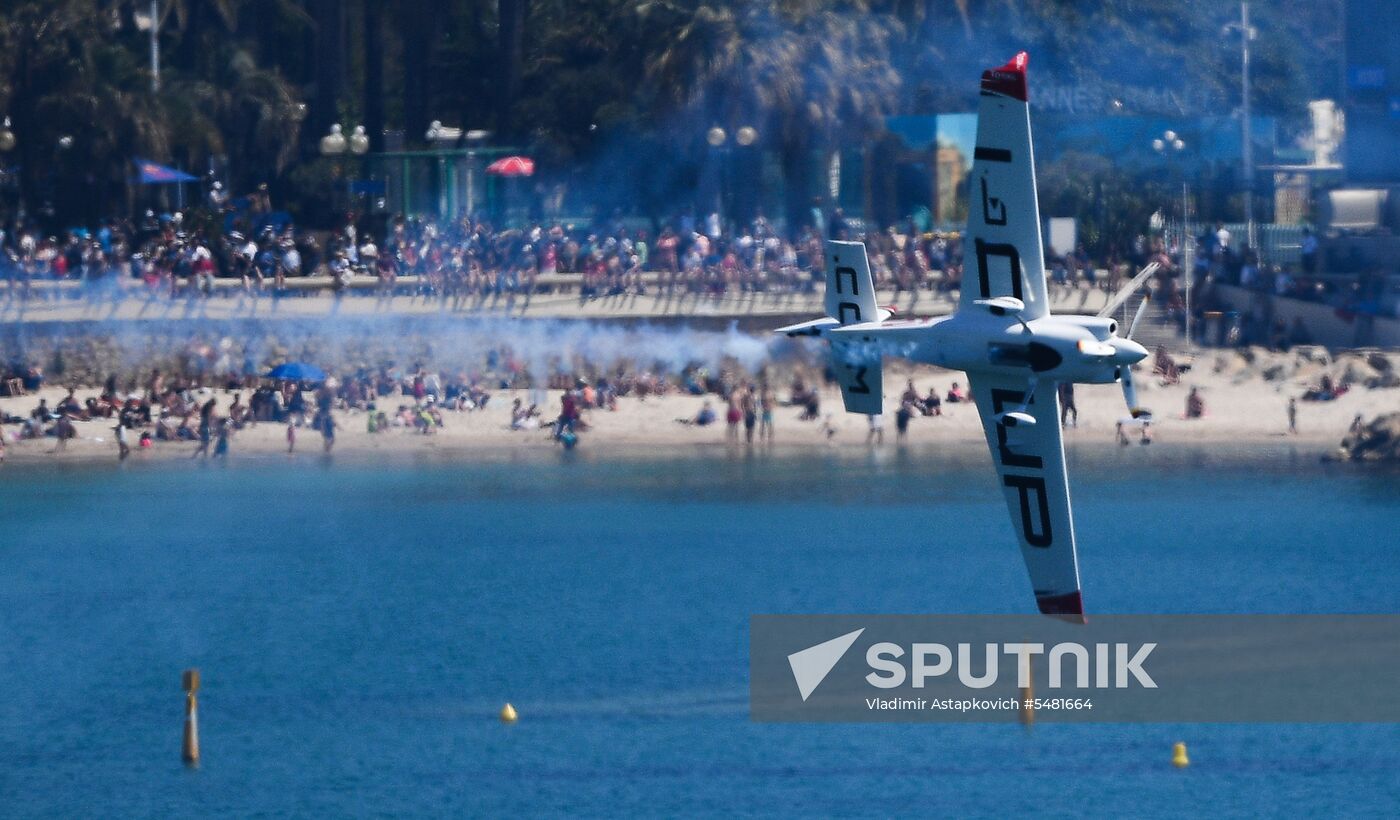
column 1002, row 334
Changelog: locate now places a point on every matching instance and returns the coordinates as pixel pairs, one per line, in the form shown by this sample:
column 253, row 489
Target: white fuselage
column 1056, row 348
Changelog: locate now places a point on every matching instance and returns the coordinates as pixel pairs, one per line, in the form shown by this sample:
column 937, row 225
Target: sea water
column 359, row 624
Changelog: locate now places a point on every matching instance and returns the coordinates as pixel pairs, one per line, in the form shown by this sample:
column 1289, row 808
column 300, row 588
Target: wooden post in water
column 190, row 750
column 1027, row 714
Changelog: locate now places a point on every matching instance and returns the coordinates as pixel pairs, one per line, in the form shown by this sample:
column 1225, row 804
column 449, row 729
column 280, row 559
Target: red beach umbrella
column 512, row 167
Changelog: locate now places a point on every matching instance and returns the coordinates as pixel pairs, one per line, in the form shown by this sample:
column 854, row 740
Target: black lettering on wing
column 985, row 250
column 993, row 209
column 1009, row 458
column 855, row 283
column 1026, row 486
column 858, row 381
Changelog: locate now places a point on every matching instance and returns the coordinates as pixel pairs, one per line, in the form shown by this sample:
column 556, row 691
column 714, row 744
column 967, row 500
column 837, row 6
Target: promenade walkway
column 312, row 297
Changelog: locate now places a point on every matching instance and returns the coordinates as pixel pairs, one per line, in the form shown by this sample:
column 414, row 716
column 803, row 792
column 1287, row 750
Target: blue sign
column 368, row 187
column 1366, row 76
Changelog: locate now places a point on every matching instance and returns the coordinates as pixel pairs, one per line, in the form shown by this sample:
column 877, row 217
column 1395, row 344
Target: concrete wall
column 1322, row 321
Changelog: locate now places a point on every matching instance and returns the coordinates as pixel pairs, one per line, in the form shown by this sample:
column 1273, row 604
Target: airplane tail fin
column 850, row 301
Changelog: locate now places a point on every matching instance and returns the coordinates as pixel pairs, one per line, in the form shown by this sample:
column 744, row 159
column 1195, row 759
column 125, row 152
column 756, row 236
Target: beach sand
column 1243, row 410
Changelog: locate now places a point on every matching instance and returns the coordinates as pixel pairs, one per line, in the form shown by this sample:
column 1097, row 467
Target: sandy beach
column 1246, row 406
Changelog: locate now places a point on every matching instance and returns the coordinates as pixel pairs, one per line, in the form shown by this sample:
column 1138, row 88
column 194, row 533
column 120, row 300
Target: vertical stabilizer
column 850, row 299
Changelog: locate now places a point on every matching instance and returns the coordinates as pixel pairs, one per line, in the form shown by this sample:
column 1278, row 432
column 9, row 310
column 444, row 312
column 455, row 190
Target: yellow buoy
column 1179, row 758
column 508, row 714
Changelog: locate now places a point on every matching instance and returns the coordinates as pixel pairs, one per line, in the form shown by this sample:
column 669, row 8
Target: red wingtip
column 1068, row 607
column 1010, row 79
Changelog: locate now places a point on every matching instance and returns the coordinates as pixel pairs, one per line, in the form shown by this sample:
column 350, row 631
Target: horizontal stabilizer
column 816, row 328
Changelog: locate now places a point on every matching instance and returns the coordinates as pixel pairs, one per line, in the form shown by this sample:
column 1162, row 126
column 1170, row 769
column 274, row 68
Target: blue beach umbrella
column 297, row 372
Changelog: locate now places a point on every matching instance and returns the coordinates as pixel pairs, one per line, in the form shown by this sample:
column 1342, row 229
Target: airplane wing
column 1030, row 463
column 1002, row 250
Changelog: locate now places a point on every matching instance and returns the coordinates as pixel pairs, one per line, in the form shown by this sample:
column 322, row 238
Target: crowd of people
column 259, row 251
column 167, row 256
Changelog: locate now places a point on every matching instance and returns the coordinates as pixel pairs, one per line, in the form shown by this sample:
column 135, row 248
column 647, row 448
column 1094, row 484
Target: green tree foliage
column 615, row 90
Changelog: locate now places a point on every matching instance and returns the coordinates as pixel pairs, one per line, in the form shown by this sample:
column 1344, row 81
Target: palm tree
column 813, row 75
column 63, row 75
column 242, row 110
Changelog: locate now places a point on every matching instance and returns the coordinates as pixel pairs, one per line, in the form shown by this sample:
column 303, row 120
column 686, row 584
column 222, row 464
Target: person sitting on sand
column 910, row 395
column 421, row 422
column 1164, row 366
column 956, row 394
column 1327, row 390
column 523, row 418
column 798, row 392
column 704, row 418
column 238, row 412
column 932, row 405
column 1195, row 405
column 69, row 406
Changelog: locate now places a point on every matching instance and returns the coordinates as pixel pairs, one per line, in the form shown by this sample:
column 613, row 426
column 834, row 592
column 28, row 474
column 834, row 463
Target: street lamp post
column 1171, row 145
column 475, row 138
column 7, row 144
column 745, row 136
column 442, row 137
column 1247, row 34
column 335, row 145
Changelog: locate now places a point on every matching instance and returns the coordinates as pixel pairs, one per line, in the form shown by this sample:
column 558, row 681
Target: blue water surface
column 359, row 624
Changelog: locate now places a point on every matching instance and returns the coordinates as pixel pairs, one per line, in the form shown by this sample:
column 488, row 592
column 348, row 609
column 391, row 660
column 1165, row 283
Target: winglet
column 1010, row 79
column 1068, row 607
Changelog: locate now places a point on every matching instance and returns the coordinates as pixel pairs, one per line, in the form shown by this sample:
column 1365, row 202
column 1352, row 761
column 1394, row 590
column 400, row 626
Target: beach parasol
column 512, row 167
column 297, row 372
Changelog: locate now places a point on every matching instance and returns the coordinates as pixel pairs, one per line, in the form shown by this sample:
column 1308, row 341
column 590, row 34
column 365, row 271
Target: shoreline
column 1242, row 419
